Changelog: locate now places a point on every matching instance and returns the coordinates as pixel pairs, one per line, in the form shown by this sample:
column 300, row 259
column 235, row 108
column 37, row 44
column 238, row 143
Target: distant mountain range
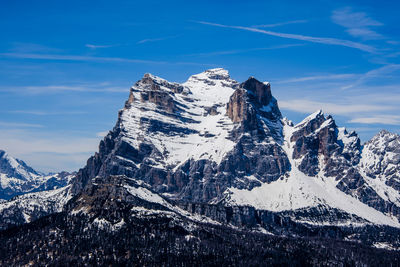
column 213, row 161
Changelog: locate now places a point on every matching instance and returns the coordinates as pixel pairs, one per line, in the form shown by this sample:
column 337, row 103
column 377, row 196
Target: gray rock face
column 256, row 157
column 325, row 149
column 252, row 104
column 319, row 136
column 239, row 110
column 382, row 158
column 252, row 160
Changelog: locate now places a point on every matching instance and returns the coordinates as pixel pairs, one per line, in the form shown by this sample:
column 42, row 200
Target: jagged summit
column 215, row 74
column 316, row 116
column 215, row 135
column 220, row 136
column 385, row 133
column 380, row 162
column 260, row 91
column 15, row 168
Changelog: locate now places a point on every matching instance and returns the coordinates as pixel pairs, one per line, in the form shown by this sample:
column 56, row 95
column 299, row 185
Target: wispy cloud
column 92, row 46
column 239, row 51
column 48, row 151
column 280, row 24
column 373, row 74
column 148, row 40
column 378, row 119
column 77, row 58
column 64, row 88
column 102, row 134
column 46, row 113
column 18, row 47
column 19, row 125
column 357, row 24
column 59, row 57
column 317, row 77
column 321, row 40
column 308, row 106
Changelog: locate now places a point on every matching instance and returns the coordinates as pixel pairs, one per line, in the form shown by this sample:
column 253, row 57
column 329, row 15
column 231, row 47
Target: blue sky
column 66, row 67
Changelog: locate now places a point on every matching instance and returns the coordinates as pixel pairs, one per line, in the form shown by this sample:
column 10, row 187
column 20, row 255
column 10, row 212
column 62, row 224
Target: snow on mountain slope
column 15, row 168
column 212, row 139
column 31, row 206
column 17, row 178
column 298, row 190
column 199, row 128
column 380, row 165
column 144, row 202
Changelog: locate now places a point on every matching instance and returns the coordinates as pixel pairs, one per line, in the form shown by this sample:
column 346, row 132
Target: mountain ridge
column 219, row 149
column 252, row 127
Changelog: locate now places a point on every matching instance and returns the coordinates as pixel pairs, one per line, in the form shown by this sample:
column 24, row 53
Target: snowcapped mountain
column 17, row 178
column 216, row 151
column 214, row 140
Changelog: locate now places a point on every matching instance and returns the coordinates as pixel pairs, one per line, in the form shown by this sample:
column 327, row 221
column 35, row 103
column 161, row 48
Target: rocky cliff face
column 381, row 158
column 213, row 139
column 218, row 148
column 188, row 145
column 324, row 149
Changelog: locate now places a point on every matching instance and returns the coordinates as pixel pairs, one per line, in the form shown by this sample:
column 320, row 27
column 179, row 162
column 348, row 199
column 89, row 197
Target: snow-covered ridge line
column 299, row 191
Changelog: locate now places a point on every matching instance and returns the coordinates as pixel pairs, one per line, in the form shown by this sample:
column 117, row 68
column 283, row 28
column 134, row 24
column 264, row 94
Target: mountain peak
column 212, row 75
column 217, row 74
column 384, row 139
column 316, row 118
column 150, row 81
column 260, row 90
column 16, row 168
column 386, row 133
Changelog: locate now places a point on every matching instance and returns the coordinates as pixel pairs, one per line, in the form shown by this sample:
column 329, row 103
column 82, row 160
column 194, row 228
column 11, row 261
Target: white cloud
column 19, row 125
column 48, row 151
column 102, row 134
column 378, row 119
column 149, row 40
column 77, row 58
column 272, row 25
column 45, row 89
column 18, row 47
column 92, row 46
column 309, row 106
column 59, row 57
column 317, row 77
column 238, row 51
column 321, row 40
column 357, row 24
column 373, row 74
column 46, row 113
